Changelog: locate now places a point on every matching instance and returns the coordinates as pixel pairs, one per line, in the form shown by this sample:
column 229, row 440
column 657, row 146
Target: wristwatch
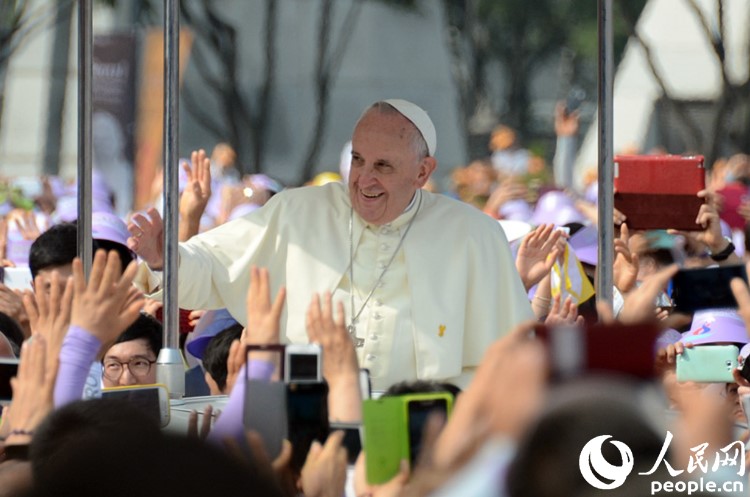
column 724, row 254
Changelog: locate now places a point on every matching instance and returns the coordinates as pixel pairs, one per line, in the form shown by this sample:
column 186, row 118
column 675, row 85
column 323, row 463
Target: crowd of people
column 468, row 295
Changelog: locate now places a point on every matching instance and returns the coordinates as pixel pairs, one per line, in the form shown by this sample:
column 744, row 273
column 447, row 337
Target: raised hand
column 563, row 313
column 640, row 304
column 196, row 194
column 32, row 392
column 147, row 238
column 537, row 254
column 104, row 306
column 324, row 472
column 340, row 365
column 625, row 267
column 49, row 314
column 262, row 316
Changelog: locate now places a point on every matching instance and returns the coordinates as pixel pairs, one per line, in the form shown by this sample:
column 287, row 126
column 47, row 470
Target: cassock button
column 374, row 337
column 370, row 357
column 384, row 246
column 377, row 302
column 377, row 316
column 381, row 265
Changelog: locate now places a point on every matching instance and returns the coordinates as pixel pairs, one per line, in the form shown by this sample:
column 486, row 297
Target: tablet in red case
column 659, row 191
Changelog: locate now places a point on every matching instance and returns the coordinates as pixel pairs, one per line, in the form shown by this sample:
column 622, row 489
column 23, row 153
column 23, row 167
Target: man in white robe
column 434, row 280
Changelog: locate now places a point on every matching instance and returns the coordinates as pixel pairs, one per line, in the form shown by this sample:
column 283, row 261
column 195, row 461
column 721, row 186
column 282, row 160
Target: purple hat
column 209, row 325
column 67, row 208
column 716, row 326
column 668, row 337
column 515, row 210
column 107, row 226
column 585, row 244
column 556, row 207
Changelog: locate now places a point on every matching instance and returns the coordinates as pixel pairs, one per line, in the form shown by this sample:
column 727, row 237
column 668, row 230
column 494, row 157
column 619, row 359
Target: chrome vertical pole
column 85, row 74
column 606, row 176
column 171, row 369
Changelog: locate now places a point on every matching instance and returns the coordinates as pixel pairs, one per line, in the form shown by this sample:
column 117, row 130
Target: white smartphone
column 303, row 363
column 153, row 399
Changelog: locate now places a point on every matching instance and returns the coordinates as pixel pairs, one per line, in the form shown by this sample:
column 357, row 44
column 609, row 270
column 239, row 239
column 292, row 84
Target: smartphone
column 265, row 403
column 152, row 399
column 352, row 439
column 418, row 410
column 617, row 348
column 576, row 97
column 307, row 417
column 365, row 385
column 705, row 288
column 303, row 363
column 8, row 369
column 708, row 364
column 16, row 278
column 393, row 428
column 265, row 413
column 272, row 352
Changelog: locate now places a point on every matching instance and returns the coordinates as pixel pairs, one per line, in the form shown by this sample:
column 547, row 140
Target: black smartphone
column 576, row 97
column 418, row 412
column 8, row 369
column 307, row 418
column 352, row 439
column 705, row 288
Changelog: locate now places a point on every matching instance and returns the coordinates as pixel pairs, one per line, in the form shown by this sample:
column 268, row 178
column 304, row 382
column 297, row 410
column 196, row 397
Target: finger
column 54, row 295
column 97, row 271
column 79, row 281
column 284, row 458
column 624, row 233
column 156, row 222
column 110, row 275
column 278, row 303
column 192, row 430
column 206, row 422
column 29, row 303
column 327, row 310
column 41, row 296
column 605, row 313
column 340, row 315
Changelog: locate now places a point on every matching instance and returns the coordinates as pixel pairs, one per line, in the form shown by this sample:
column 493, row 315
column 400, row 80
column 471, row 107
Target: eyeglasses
column 138, row 366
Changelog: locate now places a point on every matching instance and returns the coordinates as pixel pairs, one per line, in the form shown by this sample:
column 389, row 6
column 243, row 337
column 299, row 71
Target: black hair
column 421, row 386
column 58, row 246
column 107, row 452
column 55, row 247
column 147, row 328
column 12, row 331
column 126, row 256
column 217, row 353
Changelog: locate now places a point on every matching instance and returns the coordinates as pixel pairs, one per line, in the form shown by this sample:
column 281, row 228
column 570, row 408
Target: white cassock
column 451, row 290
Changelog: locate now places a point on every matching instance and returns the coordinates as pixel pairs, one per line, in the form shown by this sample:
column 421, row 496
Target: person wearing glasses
column 131, row 360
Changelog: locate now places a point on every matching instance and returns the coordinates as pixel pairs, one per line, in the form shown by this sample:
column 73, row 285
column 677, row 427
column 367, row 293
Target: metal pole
column 171, row 369
column 85, row 74
column 606, row 175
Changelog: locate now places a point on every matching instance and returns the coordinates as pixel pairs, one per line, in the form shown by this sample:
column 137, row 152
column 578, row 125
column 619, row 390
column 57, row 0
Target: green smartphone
column 395, row 425
column 708, row 364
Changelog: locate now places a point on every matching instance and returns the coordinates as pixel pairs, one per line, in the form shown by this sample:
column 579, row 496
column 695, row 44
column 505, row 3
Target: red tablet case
column 659, row 192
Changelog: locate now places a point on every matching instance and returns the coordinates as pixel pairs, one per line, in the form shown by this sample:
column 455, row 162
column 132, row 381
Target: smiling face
column 387, row 166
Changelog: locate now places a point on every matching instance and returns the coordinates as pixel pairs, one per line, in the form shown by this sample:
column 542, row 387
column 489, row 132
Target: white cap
column 419, row 118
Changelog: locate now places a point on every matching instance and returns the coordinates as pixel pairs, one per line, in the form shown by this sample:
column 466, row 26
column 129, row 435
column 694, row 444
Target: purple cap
column 585, row 244
column 668, row 337
column 716, row 326
column 67, row 208
column 209, row 325
column 107, row 226
column 515, row 210
column 556, row 207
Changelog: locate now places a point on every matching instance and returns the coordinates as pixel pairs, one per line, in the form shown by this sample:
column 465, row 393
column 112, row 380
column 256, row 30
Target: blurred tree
column 728, row 130
column 514, row 40
column 17, row 23
column 216, row 55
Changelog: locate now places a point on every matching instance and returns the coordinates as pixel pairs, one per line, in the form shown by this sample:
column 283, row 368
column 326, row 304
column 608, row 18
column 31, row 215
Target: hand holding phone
column 705, row 288
column 708, row 364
